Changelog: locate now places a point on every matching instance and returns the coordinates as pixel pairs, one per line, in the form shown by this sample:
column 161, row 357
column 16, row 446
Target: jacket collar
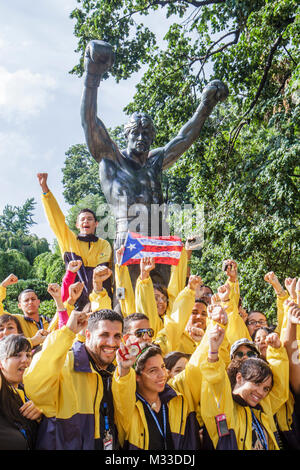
column 82, row 361
column 87, row 238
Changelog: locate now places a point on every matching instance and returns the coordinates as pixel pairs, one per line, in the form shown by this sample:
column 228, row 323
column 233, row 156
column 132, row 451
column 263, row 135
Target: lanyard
column 163, row 433
column 106, row 422
column 260, row 432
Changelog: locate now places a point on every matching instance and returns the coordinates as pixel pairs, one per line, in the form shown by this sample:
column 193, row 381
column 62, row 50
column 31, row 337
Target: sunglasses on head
column 142, row 331
column 241, row 354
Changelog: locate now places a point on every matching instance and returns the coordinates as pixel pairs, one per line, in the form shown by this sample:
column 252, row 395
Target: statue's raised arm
column 215, row 92
column 98, row 59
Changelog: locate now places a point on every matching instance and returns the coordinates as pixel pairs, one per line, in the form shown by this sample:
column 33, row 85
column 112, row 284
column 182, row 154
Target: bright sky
column 40, row 100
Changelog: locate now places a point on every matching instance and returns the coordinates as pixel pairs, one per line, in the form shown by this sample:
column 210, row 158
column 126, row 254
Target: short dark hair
column 8, row 317
column 132, row 318
column 207, row 287
column 25, row 291
column 104, row 314
column 88, row 210
column 201, row 301
column 150, row 350
column 171, row 358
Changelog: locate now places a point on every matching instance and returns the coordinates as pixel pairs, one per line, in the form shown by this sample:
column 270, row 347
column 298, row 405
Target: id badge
column 108, row 441
column 222, row 427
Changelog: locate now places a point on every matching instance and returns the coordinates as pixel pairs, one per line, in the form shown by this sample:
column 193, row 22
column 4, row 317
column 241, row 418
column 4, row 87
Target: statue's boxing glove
column 214, row 92
column 98, row 58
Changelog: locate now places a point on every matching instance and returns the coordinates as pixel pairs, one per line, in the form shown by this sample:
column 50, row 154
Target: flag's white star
column 131, row 246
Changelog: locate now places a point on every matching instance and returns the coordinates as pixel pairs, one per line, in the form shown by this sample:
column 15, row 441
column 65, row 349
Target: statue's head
column 139, row 132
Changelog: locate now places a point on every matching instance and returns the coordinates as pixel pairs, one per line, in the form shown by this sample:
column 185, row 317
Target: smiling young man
column 72, row 383
column 85, row 246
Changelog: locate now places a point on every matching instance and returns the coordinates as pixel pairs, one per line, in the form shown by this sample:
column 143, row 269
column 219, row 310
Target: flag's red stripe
column 157, row 260
column 157, row 249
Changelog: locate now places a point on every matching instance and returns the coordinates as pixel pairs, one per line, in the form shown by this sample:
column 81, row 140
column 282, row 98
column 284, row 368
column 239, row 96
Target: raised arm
column 212, row 94
column 99, row 58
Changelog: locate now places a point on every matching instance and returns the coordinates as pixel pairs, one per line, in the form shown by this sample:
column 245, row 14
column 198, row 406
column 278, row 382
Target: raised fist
column 42, row 178
column 54, row 290
column 74, row 265
column 101, row 273
column 195, row 282
column 10, row 280
column 98, row 57
column 214, row 92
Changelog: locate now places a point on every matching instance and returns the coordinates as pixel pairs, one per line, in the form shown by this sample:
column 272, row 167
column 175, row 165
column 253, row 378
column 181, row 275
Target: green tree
column 244, row 168
column 13, row 261
column 16, row 218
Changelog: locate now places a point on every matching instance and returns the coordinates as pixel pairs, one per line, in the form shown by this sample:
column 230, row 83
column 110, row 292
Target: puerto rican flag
column 165, row 250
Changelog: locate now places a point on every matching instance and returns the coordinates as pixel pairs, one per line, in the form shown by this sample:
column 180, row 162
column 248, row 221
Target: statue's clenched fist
column 214, row 92
column 98, row 57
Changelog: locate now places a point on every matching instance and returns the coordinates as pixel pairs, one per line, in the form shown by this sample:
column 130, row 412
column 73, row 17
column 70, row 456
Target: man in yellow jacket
column 85, row 246
column 72, row 382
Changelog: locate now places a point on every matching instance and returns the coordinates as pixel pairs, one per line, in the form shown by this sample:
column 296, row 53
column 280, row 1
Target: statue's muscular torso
column 123, row 177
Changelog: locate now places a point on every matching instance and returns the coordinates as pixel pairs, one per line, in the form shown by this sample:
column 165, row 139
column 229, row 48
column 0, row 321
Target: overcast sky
column 40, row 100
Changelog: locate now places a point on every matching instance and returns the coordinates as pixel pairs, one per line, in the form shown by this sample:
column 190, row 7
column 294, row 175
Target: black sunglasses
column 240, row 354
column 142, row 331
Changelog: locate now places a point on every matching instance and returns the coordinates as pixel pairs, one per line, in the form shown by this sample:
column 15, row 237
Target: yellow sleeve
column 280, row 311
column 234, row 295
column 216, row 397
column 57, row 222
column 123, row 389
column 145, row 303
column 174, row 325
column 42, row 378
column 279, row 363
column 236, row 327
column 2, row 297
column 122, row 279
column 177, row 280
column 54, row 323
column 100, row 300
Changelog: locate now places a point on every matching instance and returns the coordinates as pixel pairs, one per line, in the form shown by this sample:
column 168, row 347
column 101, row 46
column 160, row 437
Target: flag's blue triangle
column 132, row 247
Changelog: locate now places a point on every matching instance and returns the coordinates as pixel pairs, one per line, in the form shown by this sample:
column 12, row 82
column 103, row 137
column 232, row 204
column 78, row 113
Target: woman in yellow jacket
column 238, row 408
column 157, row 417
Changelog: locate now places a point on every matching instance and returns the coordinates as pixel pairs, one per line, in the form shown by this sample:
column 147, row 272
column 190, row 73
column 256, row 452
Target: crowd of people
column 176, row 367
